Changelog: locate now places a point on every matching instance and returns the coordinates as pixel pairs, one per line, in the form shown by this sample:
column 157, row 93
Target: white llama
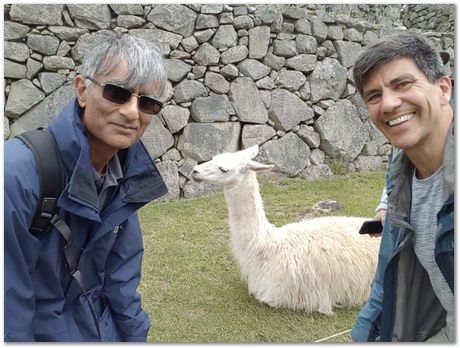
column 311, row 265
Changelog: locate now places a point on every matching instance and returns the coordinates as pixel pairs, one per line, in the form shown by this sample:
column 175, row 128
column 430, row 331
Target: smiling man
column 405, row 87
column 109, row 176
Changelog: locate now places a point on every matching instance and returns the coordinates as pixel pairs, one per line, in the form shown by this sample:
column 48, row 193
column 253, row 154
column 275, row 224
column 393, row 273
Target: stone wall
column 273, row 75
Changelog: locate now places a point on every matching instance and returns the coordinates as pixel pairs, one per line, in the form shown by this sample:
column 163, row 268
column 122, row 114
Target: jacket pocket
column 108, row 327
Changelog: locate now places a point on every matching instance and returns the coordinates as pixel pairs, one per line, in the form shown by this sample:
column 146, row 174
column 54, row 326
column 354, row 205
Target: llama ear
column 251, row 152
column 259, row 167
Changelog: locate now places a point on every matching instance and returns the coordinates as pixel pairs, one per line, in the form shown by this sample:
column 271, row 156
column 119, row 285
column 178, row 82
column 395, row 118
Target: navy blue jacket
column 42, row 300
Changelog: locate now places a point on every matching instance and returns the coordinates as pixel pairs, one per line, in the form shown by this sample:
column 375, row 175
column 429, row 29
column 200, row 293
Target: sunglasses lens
column 149, row 105
column 116, row 94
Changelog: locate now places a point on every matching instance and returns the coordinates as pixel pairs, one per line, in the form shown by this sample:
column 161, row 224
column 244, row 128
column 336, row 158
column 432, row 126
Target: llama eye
column 223, row 170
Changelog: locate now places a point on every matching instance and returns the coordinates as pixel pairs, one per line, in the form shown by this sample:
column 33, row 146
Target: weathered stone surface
column 317, row 156
column 37, row 14
column 170, row 175
column 204, row 35
column 284, row 48
column 23, row 95
column 13, row 70
column 245, row 98
column 189, row 43
column 259, row 40
column 205, row 21
column 363, row 163
column 44, row 44
column 256, row 134
column 225, row 37
column 290, row 79
column 317, row 171
column 175, row 117
column 128, row 21
column 253, row 68
column 302, row 62
column 188, row 90
column 206, row 55
column 328, row 80
column 211, row 8
column 308, row 134
column 157, row 138
column 306, row 44
column 289, row 154
column 234, row 54
column 158, row 37
column 243, row 22
column 176, row 69
column 348, row 52
column 318, row 29
column 14, row 31
column 303, row 26
column 229, row 71
column 33, row 67
column 287, row 110
column 343, row 135
column 14, row 51
column 41, row 114
column 6, row 128
column 90, row 16
column 274, row 62
column 126, row 9
column 55, row 63
column 176, row 18
column 51, row 81
column 216, row 82
column 202, row 141
column 67, row 33
column 210, row 109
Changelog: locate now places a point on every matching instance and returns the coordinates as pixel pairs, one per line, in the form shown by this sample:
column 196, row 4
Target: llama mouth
column 400, row 119
column 196, row 178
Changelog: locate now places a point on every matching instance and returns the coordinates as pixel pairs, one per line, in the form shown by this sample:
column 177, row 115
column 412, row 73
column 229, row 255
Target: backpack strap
column 52, row 177
column 51, row 173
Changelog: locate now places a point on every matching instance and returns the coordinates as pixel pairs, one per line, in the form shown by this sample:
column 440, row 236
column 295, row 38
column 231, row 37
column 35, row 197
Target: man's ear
column 445, row 84
column 81, row 90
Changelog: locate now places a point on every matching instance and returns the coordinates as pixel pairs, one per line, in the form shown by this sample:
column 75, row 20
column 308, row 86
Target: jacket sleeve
column 123, row 277
column 21, row 248
column 367, row 323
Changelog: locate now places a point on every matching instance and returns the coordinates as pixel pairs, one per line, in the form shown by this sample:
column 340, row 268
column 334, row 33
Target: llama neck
column 247, row 220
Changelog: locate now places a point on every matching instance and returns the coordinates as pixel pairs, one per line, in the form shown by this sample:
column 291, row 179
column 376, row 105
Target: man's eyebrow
column 402, row 77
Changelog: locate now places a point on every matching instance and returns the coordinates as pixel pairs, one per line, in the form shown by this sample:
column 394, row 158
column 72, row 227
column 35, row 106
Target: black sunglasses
column 120, row 95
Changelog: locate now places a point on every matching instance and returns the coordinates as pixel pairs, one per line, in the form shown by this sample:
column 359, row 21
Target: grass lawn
column 191, row 284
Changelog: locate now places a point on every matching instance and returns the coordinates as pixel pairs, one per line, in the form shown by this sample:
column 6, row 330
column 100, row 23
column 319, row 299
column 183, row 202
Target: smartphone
column 371, row 227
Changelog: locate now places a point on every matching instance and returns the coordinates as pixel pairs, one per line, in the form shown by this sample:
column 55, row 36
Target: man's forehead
column 393, row 70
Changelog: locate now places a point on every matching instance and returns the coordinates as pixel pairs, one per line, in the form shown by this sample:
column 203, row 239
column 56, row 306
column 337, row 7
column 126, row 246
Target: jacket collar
column 141, row 179
column 401, row 172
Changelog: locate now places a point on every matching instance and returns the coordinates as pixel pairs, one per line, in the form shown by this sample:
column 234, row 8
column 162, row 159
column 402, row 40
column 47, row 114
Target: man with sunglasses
column 109, row 176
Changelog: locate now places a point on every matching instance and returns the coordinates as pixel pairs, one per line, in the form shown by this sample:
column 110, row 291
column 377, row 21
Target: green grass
column 191, row 285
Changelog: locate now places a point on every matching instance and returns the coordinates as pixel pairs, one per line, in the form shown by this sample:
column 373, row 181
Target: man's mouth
column 400, row 119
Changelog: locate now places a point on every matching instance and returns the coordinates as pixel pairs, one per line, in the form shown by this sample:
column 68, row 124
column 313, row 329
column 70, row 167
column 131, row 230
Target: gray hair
column 398, row 45
column 145, row 64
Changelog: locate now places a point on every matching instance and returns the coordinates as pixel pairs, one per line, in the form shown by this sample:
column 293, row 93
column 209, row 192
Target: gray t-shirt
column 427, row 200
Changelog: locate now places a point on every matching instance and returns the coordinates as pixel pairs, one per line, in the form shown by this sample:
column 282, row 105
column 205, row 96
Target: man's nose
column 390, row 100
column 130, row 109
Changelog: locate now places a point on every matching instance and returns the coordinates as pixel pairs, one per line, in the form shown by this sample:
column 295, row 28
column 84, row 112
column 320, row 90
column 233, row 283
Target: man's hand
column 380, row 215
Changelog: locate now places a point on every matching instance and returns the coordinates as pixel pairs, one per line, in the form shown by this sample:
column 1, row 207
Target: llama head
column 229, row 168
